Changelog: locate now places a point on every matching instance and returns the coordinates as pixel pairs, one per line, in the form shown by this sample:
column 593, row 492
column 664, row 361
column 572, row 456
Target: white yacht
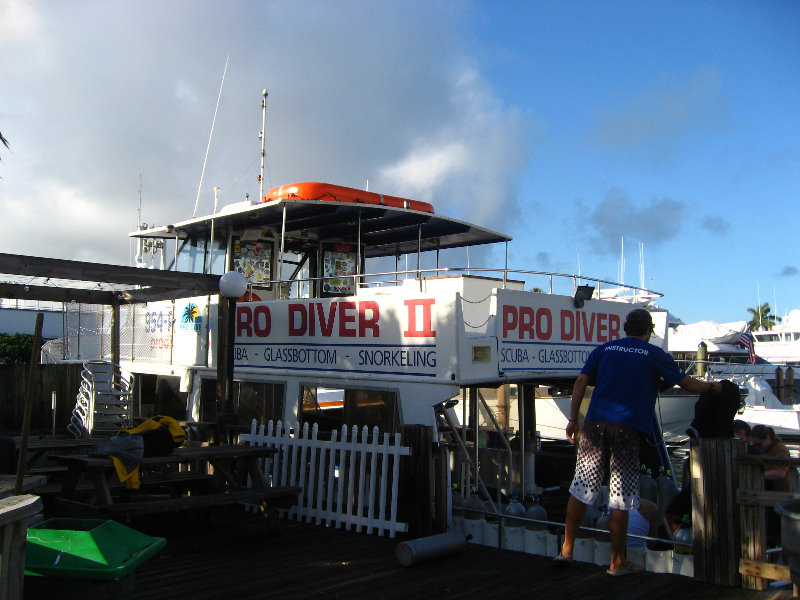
column 767, row 384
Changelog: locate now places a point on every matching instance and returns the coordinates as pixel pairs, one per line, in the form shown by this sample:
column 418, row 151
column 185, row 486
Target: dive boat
column 332, row 331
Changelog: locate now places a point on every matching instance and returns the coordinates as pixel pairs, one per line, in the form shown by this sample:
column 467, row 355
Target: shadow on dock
column 231, row 554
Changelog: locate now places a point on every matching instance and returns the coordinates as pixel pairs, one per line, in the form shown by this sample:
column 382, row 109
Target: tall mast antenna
column 208, row 147
column 263, row 137
column 139, row 224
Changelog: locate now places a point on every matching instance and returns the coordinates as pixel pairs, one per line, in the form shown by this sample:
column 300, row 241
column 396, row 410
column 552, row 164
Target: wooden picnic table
column 227, row 480
column 37, row 448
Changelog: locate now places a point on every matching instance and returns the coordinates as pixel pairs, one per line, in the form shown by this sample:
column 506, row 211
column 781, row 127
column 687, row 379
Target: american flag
column 746, row 340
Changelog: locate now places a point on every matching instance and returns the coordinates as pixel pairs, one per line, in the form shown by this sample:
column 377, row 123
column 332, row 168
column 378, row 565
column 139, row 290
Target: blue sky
column 568, row 125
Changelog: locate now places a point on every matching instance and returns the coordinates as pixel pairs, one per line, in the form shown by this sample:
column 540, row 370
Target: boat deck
column 231, row 554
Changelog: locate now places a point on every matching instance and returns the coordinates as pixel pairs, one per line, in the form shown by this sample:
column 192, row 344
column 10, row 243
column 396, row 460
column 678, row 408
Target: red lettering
column 614, row 327
column 346, row 316
column 244, row 320
column 567, row 325
column 370, row 322
column 312, row 328
column 426, row 329
column 526, row 316
column 297, row 311
column 262, row 320
column 544, row 323
column 326, row 326
column 602, row 327
column 253, row 321
column 588, row 327
column 509, row 319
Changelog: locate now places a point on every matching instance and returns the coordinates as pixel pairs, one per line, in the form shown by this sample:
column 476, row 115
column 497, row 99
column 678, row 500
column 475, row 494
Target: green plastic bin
column 87, row 549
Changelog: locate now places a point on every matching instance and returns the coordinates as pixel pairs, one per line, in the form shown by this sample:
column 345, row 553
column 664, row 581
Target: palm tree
column 761, row 317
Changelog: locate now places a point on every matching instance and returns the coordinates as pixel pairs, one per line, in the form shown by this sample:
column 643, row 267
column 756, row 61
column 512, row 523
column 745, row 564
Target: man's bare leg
column 575, row 512
column 618, row 526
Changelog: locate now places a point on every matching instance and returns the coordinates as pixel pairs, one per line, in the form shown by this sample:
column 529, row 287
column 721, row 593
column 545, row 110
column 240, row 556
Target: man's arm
column 578, row 391
column 698, row 386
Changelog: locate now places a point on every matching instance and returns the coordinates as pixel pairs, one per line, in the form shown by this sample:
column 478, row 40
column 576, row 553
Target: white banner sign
column 545, row 333
column 382, row 335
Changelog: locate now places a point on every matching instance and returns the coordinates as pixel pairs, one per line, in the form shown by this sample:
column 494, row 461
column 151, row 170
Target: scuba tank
column 648, row 488
column 538, row 512
column 684, row 534
column 514, row 508
column 602, row 523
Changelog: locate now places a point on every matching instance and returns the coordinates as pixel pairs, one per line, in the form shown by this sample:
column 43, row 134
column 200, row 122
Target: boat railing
column 728, row 369
column 87, row 327
column 532, row 280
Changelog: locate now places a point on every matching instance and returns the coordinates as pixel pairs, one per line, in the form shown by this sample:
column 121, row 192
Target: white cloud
column 664, row 113
column 383, row 92
column 18, row 22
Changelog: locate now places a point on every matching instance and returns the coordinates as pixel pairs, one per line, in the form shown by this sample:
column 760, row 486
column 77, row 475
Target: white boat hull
column 675, row 413
column 785, row 421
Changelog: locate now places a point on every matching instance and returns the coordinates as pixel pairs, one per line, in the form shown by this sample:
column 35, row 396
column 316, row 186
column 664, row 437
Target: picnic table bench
column 230, row 465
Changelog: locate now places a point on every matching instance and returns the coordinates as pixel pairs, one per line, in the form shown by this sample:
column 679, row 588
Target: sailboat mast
column 263, row 137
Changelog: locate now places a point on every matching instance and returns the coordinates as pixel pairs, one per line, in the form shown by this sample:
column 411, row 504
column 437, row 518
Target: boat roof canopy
column 385, row 230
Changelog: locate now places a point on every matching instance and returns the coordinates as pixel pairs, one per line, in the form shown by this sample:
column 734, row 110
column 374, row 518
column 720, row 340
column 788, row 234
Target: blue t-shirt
column 626, row 375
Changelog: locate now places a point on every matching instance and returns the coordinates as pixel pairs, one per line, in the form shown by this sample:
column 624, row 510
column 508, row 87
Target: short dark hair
column 638, row 322
column 739, row 424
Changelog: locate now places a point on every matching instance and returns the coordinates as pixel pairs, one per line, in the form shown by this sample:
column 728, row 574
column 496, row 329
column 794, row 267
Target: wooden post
column 715, row 514
column 29, row 393
column 753, row 522
column 226, row 334
column 14, row 513
column 115, row 351
column 416, row 491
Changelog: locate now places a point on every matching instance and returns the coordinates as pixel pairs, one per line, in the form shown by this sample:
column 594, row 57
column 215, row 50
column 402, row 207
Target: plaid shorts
column 603, row 447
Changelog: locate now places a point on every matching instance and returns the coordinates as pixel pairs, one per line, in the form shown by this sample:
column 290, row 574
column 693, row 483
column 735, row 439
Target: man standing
column 626, row 375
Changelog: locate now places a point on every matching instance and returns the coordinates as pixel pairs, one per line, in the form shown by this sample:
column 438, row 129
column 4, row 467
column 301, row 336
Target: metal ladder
column 453, row 434
column 104, row 403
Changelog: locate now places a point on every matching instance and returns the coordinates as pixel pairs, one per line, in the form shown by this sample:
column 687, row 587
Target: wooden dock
column 231, row 554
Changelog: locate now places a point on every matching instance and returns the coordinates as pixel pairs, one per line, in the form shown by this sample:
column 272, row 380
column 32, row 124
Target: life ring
column 249, row 297
column 310, row 190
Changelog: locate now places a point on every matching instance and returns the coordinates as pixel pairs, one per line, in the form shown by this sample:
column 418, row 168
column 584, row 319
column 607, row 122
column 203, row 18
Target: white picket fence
column 345, row 482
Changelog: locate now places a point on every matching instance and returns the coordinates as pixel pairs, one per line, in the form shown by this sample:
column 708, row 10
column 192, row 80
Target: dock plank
column 226, row 555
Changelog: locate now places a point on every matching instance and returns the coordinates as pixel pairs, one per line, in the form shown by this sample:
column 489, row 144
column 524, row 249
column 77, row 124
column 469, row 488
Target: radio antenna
column 208, row 147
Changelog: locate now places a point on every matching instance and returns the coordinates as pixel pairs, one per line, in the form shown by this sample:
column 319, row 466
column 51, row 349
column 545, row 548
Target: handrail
column 360, row 279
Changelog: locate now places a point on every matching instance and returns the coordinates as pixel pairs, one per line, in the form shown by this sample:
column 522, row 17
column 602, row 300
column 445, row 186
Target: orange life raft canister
column 310, row 190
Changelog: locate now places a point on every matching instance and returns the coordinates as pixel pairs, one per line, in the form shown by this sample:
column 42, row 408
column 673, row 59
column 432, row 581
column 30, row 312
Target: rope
column 475, row 301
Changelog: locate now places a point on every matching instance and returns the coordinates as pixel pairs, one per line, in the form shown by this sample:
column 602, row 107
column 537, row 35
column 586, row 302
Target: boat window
column 768, row 337
column 796, row 336
column 160, row 395
column 193, row 255
column 251, row 400
column 373, row 408
column 331, row 408
column 256, row 400
column 295, row 272
column 323, row 406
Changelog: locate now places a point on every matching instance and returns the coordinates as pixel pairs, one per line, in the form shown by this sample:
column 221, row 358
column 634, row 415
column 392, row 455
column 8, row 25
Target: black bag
column 714, row 412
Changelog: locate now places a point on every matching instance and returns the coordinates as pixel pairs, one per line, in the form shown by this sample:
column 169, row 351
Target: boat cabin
column 350, row 316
